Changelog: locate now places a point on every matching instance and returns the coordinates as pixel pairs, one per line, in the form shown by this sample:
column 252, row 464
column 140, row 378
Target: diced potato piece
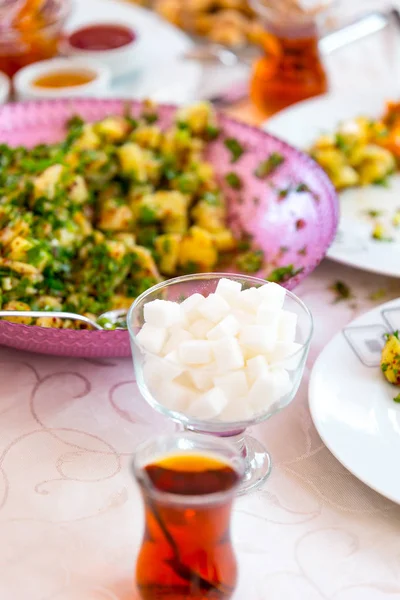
column 17, row 305
column 197, row 116
column 168, row 247
column 147, row 136
column 46, row 183
column 325, row 141
column 89, row 140
column 390, row 361
column 116, row 250
column 49, row 322
column 115, row 216
column 138, row 162
column 77, row 190
column 83, row 223
column 344, row 176
column 224, row 240
column 18, row 266
column 208, row 216
column 330, row 159
column 114, row 129
column 49, row 303
column 198, row 250
column 120, row 301
column 18, row 248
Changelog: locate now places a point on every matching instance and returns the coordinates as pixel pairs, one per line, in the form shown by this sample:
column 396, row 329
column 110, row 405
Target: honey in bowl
column 186, row 550
column 63, row 79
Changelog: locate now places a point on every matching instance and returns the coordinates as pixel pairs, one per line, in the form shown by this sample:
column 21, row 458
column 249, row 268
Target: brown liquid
column 186, row 550
column 61, row 79
column 290, row 71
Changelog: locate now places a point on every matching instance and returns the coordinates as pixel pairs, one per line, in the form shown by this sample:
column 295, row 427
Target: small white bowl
column 26, row 90
column 120, row 60
column 4, row 87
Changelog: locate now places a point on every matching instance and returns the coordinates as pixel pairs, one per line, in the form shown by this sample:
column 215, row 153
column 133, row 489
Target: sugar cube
column 228, row 326
column 249, row 300
column 257, row 338
column 228, row 354
column 200, row 328
column 228, row 289
column 287, row 326
column 201, row 378
column 175, row 339
column 287, row 355
column 214, row 308
column 165, row 368
column 152, row 338
column 195, row 352
column 189, row 307
column 237, row 410
column 255, row 367
column 208, row 405
column 244, row 317
column 174, row 395
column 273, row 293
column 267, row 315
column 151, row 374
column 268, row 389
column 162, row 313
column 233, row 384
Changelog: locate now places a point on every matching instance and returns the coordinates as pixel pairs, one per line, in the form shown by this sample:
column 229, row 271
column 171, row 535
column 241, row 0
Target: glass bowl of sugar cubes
column 219, row 353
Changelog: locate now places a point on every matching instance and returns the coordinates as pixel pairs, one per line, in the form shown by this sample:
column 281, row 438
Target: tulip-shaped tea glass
column 188, row 483
column 166, row 387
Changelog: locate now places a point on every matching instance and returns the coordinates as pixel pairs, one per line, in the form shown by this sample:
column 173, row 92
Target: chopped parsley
column 268, row 166
column 283, row 193
column 233, row 180
column 384, row 367
column 212, row 132
column 166, row 245
column 397, row 398
column 251, row 261
column 373, row 213
column 302, row 187
column 150, row 117
column 341, row 290
column 235, row 148
column 147, row 215
column 282, row 274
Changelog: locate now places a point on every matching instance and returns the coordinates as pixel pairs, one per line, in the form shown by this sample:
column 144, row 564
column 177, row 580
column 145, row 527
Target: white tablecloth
column 71, row 515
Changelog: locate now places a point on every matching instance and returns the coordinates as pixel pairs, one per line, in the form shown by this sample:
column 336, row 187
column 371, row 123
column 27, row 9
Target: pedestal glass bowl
column 257, row 459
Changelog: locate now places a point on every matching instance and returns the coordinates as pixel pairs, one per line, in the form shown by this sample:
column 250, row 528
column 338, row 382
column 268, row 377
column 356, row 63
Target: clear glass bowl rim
column 204, row 276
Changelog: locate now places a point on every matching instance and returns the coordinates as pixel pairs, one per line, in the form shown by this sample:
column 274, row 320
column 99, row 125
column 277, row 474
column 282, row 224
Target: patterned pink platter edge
column 292, row 227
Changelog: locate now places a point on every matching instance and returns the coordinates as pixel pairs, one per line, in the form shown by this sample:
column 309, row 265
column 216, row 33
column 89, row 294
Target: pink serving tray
column 292, row 228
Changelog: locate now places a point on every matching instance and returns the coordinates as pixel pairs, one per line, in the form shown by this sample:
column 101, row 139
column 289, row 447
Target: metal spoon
column 116, row 317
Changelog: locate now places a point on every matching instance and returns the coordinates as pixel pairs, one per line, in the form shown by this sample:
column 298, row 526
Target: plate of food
column 355, row 138
column 355, row 401
column 101, row 199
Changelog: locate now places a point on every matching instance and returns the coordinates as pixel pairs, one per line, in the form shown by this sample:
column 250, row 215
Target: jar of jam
column 290, row 68
column 30, row 31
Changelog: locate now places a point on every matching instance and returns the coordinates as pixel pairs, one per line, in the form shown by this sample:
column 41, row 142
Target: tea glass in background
column 290, row 69
column 188, row 484
column 30, row 31
column 257, row 459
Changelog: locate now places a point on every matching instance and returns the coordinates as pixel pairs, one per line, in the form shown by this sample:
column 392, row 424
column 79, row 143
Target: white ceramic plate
column 352, row 404
column 156, row 70
column 353, row 246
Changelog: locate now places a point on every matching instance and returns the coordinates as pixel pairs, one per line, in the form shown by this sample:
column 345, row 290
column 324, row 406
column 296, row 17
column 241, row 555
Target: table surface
column 71, row 516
